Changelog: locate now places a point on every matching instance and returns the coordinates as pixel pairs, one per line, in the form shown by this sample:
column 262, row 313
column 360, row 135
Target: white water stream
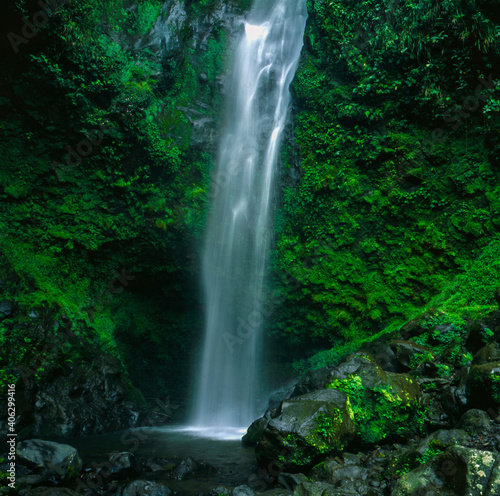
column 240, row 225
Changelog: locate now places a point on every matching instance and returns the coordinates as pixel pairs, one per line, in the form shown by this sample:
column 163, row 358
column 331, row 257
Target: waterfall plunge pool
column 169, row 445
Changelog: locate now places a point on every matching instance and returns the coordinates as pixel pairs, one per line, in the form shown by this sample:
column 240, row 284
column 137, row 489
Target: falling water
column 239, row 230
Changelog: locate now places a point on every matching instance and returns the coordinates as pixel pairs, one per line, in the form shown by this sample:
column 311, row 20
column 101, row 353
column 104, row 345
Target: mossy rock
column 487, row 354
column 384, row 404
column 405, row 351
column 483, row 386
column 457, row 471
column 476, row 422
column 308, row 428
column 254, row 432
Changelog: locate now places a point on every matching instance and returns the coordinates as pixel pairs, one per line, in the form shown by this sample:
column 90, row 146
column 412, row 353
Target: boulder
column 349, row 477
column 453, row 399
column 5, row 309
column 144, row 488
column 442, row 439
column 366, row 401
column 189, row 467
column 421, row 481
column 254, row 432
column 242, row 491
column 32, row 480
column 61, row 461
column 291, row 481
column 483, row 386
column 458, row 471
column 419, row 325
column 312, row 381
column 488, row 353
column 387, row 359
column 385, row 404
column 122, row 465
column 477, row 336
column 309, row 427
column 475, row 422
column 315, row 489
column 405, row 351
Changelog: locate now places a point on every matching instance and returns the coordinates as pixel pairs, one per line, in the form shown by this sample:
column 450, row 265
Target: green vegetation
column 390, row 196
column 397, row 199
column 99, row 178
column 379, row 412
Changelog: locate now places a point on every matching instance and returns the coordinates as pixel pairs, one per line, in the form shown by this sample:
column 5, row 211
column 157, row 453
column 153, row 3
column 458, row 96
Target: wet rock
column 442, row 439
column 155, row 465
column 220, row 491
column 5, row 309
column 277, row 396
column 417, row 326
column 457, row 471
column 309, row 427
column 387, row 359
column 78, row 401
column 60, row 461
column 242, row 491
column 254, row 432
column 277, row 492
column 348, row 478
column 453, row 400
column 291, row 481
column 475, row 422
column 30, row 480
column 322, row 471
column 144, row 488
column 312, row 381
column 488, row 353
column 420, row 481
column 189, row 467
column 121, row 466
column 476, row 337
column 405, row 351
column 369, row 401
column 314, row 489
column 384, row 403
column 483, row 386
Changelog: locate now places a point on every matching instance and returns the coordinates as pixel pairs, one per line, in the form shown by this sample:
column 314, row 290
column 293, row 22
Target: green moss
column 378, row 412
column 377, row 216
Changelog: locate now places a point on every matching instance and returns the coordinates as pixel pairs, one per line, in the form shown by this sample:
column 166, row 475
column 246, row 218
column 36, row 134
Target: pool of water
column 221, row 448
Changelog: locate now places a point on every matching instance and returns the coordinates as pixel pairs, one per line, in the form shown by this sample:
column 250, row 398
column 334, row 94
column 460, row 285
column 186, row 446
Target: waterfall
column 240, row 230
